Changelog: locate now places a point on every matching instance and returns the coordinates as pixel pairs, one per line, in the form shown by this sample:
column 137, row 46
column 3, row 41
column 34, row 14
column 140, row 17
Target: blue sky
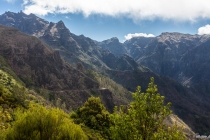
column 103, row 19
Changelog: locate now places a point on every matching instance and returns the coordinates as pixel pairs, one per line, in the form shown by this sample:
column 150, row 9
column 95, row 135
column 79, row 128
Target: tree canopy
column 143, row 118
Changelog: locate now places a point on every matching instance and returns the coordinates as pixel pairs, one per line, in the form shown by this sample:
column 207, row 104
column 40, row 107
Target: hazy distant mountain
column 113, row 45
column 182, row 57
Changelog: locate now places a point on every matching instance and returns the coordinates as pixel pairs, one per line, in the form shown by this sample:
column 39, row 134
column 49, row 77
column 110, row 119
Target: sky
column 124, row 19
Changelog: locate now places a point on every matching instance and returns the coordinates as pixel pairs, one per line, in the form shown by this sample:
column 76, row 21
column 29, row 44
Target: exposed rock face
column 136, row 46
column 113, row 45
column 29, row 24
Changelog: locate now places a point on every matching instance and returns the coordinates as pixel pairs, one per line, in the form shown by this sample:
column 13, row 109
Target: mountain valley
column 45, row 57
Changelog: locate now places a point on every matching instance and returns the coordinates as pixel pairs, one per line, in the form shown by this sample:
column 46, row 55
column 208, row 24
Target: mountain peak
column 60, row 24
column 115, row 39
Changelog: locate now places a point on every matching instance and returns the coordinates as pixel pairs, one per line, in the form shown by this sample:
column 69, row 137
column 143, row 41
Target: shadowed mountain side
column 71, row 47
column 35, row 61
column 185, row 103
column 182, row 57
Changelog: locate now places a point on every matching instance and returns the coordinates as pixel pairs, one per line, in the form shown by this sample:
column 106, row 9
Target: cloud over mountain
column 129, row 36
column 204, row 30
column 180, row 10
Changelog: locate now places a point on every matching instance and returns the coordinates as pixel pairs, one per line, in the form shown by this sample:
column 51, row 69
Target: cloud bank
column 178, row 10
column 129, row 36
column 204, row 30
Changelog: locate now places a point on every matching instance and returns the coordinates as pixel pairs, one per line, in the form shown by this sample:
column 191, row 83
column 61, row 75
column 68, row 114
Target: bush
column 41, row 123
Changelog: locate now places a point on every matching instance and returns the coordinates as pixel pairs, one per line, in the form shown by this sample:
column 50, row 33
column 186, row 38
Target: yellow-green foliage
column 105, row 82
column 7, row 80
column 6, row 67
column 43, row 123
column 5, row 119
column 11, row 92
column 143, row 119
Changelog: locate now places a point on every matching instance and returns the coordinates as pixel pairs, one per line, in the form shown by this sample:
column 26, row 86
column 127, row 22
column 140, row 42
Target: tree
column 143, row 119
column 94, row 115
column 41, row 123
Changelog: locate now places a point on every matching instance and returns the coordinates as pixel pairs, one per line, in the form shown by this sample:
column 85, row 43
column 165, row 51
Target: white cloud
column 204, row 30
column 178, row 10
column 129, row 36
column 67, row 17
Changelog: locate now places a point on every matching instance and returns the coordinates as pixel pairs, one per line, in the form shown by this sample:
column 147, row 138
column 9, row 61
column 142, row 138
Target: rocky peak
column 29, row 24
column 60, row 25
column 115, row 39
column 174, row 38
column 113, row 45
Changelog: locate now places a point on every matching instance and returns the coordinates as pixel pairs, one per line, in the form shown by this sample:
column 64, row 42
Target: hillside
column 41, row 68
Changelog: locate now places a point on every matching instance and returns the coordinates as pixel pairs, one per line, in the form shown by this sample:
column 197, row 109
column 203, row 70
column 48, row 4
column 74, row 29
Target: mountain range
column 45, row 55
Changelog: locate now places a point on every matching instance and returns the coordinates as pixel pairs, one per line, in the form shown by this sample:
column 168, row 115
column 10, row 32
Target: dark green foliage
column 143, row 119
column 94, row 115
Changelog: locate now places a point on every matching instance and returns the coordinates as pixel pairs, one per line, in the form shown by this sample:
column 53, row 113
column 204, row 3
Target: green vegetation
column 143, row 119
column 23, row 116
column 43, row 123
column 94, row 115
column 12, row 93
column 105, row 82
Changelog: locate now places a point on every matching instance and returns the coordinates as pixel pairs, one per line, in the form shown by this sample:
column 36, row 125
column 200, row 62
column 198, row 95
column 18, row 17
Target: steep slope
column 168, row 54
column 71, row 47
column 32, row 59
column 182, row 57
column 37, row 65
column 193, row 110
